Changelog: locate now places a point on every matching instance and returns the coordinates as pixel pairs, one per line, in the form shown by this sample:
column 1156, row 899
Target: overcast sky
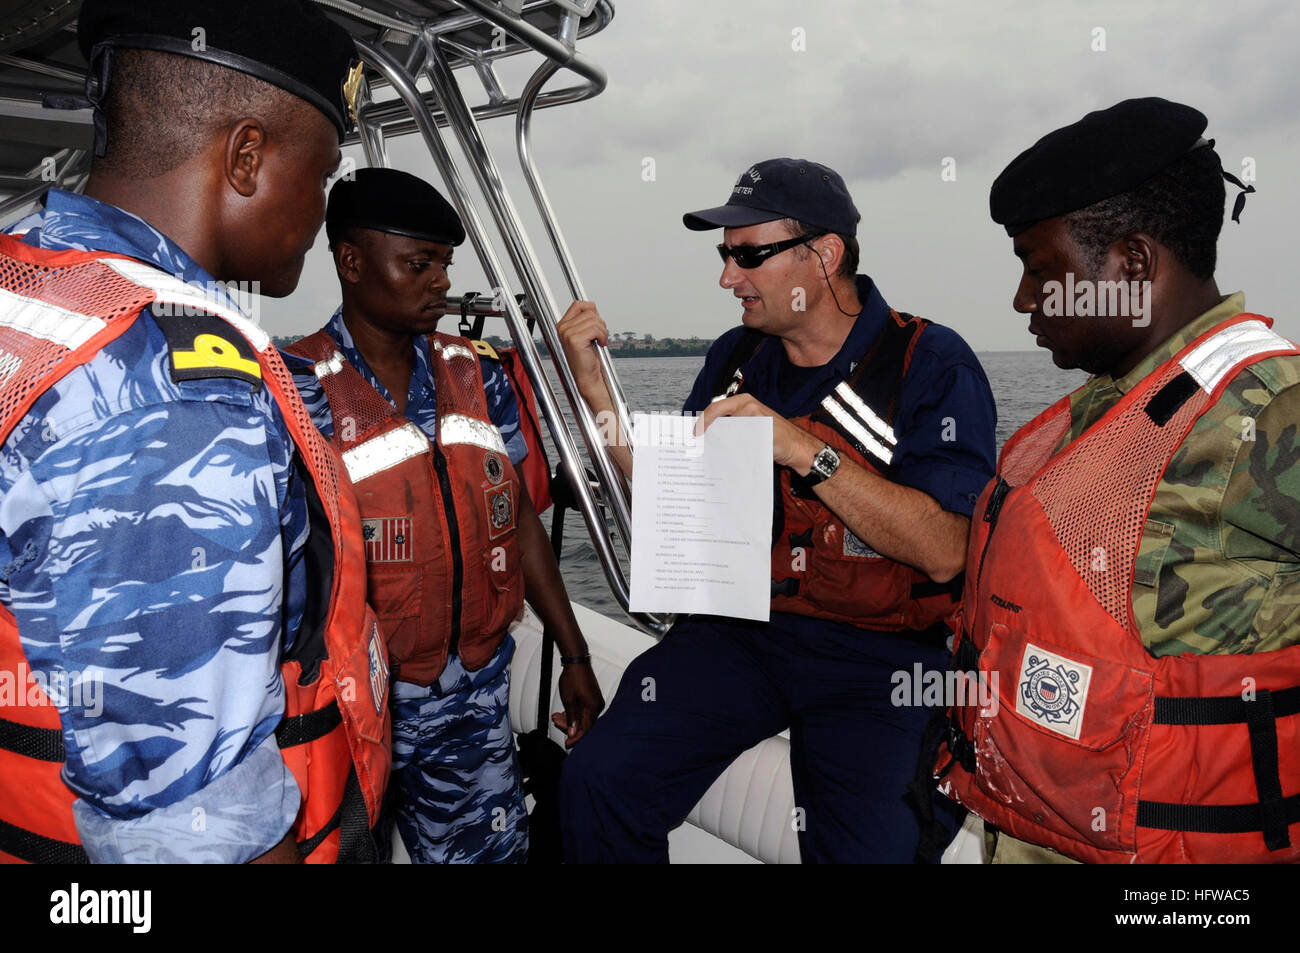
column 884, row 92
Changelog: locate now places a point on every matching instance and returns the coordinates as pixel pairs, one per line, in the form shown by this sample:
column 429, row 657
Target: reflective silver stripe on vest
column 458, row 428
column 450, row 351
column 46, row 321
column 325, row 368
column 1211, row 360
column 387, row 450
column 868, row 415
column 851, row 424
column 171, row 290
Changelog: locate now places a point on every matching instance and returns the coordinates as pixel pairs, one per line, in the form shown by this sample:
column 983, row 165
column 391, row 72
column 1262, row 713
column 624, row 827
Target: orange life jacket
column 1089, row 744
column 819, row 567
column 441, row 517
column 335, row 733
column 535, row 469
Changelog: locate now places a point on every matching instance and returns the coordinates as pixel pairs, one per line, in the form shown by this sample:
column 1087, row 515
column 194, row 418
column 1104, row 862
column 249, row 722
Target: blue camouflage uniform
column 455, row 782
column 151, row 533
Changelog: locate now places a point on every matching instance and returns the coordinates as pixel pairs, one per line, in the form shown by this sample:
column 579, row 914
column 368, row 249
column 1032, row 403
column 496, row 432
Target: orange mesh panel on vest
column 363, row 401
column 466, row 381
column 349, row 394
column 321, row 461
column 92, row 289
column 1099, row 526
column 1029, row 455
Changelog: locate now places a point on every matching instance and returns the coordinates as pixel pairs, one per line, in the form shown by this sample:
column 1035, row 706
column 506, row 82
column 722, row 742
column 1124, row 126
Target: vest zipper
column 991, row 512
column 453, row 529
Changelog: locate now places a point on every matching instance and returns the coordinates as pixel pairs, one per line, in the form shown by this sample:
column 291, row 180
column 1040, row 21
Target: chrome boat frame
column 403, row 44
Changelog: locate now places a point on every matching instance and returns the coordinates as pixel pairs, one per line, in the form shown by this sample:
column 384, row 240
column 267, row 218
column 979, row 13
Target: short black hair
column 1181, row 207
column 162, row 109
column 848, row 264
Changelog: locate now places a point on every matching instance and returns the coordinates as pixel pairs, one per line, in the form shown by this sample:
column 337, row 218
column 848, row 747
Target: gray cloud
column 883, row 92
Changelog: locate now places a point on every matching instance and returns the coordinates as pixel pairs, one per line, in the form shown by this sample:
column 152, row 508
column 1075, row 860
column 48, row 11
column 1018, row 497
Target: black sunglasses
column 751, row 256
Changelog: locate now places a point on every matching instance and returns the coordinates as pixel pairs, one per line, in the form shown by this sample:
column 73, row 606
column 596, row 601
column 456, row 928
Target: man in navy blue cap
column 164, row 496
column 883, row 429
column 1144, row 531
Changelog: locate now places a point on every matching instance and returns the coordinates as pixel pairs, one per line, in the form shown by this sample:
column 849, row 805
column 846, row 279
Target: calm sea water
column 1023, row 383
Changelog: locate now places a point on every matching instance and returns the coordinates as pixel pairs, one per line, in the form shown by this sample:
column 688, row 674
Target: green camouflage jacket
column 1218, row 567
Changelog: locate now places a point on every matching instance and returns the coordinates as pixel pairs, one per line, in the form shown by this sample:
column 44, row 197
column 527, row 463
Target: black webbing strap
column 467, row 328
column 305, row 847
column 928, row 587
column 1162, row 407
column 785, row 587
column 1273, row 814
column 1214, row 818
column 1262, row 725
column 36, row 849
column 921, row 791
column 941, row 729
column 302, row 729
column 746, row 347
column 878, row 378
column 1225, row 710
column 965, row 658
column 43, row 744
column 356, row 840
column 40, row 744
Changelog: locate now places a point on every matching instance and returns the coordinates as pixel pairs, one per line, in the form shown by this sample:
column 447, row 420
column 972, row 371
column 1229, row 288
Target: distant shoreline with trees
column 640, row 347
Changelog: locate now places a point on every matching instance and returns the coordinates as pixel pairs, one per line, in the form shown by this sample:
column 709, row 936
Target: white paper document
column 702, row 516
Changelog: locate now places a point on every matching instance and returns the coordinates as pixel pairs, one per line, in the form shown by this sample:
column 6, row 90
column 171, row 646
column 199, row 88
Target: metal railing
column 446, row 107
column 435, row 38
column 69, row 170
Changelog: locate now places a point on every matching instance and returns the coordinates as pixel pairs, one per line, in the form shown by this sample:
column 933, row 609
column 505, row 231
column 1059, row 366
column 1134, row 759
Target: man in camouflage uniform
column 153, row 524
column 1218, row 565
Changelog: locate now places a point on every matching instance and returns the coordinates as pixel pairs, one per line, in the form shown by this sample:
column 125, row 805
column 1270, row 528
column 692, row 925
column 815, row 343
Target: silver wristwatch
column 824, row 465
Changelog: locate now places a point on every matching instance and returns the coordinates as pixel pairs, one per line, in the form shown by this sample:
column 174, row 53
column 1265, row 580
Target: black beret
column 287, row 43
column 389, row 200
column 1103, row 154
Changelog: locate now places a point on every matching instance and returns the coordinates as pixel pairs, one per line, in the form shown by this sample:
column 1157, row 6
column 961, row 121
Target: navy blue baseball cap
column 774, row 189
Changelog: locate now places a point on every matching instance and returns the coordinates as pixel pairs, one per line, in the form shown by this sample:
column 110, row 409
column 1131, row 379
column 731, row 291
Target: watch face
column 826, row 462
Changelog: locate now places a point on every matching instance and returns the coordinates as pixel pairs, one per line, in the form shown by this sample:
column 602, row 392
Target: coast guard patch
column 500, row 508
column 378, row 670
column 493, row 468
column 1053, row 691
column 388, row 540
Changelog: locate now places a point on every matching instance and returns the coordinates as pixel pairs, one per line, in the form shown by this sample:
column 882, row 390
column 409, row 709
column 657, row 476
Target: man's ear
column 244, row 155
column 347, row 261
column 1141, row 257
column 830, row 249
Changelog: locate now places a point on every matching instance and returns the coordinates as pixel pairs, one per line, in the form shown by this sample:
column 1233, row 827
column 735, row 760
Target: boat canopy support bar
column 608, row 495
